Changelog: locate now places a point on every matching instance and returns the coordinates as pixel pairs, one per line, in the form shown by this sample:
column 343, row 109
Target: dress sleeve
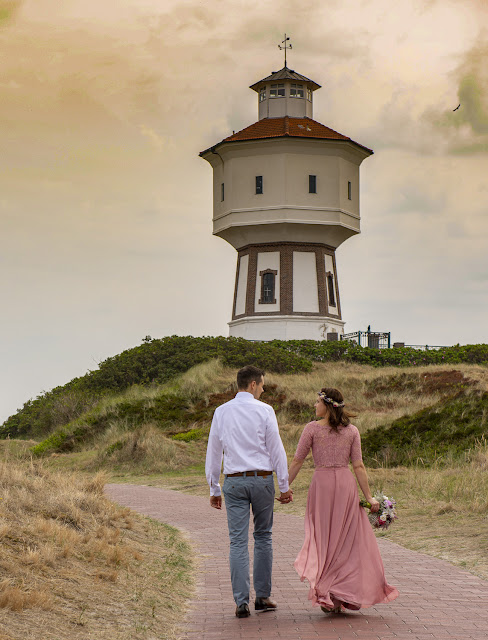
column 356, row 454
column 305, row 442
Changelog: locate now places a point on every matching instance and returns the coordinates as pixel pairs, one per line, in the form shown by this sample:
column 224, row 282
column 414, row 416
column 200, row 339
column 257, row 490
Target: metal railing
column 425, row 347
column 371, row 339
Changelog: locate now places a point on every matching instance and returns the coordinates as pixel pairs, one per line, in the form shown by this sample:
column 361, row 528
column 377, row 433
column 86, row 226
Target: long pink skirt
column 340, row 556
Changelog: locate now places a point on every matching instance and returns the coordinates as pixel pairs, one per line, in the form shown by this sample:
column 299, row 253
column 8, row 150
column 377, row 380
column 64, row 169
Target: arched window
column 268, row 286
column 330, row 289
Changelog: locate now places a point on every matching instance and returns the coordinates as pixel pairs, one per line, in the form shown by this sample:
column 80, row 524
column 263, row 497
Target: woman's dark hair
column 338, row 416
column 246, row 375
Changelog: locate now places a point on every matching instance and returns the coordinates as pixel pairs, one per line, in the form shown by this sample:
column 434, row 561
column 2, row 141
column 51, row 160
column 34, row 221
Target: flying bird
column 457, row 107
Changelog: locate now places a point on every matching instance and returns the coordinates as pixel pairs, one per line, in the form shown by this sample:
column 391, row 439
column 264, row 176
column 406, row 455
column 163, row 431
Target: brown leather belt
column 250, row 473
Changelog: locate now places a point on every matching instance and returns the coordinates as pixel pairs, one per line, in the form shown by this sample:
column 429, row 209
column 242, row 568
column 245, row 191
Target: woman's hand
column 375, row 505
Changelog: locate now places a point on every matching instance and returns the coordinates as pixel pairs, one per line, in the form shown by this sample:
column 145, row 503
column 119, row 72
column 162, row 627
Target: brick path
column 437, row 600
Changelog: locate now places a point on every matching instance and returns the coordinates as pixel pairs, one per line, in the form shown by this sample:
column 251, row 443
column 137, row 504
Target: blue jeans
column 240, row 493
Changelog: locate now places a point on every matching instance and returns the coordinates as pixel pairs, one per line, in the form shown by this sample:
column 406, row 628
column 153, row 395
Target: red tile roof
column 287, row 127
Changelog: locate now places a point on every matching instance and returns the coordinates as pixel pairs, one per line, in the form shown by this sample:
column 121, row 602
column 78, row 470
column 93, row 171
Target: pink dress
column 340, row 556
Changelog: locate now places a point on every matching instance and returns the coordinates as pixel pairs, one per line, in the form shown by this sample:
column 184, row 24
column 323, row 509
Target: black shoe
column 242, row 611
column 264, row 604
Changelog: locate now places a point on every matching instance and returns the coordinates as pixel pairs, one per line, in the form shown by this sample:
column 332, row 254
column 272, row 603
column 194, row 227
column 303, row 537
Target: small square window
column 262, row 94
column 259, row 184
column 349, row 191
column 312, row 184
column 277, row 91
column 222, row 193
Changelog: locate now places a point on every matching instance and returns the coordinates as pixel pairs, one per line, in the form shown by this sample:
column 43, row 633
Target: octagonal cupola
column 285, row 93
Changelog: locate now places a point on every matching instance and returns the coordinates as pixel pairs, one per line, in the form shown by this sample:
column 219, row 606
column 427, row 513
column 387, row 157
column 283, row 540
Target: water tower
column 285, row 196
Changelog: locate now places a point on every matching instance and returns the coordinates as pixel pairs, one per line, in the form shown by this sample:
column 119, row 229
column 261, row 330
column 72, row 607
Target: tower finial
column 285, row 46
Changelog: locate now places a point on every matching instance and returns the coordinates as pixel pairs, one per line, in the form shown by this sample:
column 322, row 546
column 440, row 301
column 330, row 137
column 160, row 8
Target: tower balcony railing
column 372, row 339
column 382, row 340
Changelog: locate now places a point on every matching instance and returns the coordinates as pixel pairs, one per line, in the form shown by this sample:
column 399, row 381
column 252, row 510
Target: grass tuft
column 69, row 552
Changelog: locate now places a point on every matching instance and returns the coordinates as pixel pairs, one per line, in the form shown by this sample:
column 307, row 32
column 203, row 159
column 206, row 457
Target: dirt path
column 437, row 600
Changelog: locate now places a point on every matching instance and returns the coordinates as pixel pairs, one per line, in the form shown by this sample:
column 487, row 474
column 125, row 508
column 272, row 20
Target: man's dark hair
column 247, row 374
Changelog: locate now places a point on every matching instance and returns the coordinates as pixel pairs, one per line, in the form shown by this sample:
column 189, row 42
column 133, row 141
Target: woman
column 340, row 557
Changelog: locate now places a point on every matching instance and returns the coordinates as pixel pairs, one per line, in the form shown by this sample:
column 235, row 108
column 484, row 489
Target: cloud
column 105, row 206
column 466, row 129
column 8, row 9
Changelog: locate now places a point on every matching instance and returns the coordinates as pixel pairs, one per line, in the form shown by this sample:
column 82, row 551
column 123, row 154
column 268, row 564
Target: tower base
column 285, row 328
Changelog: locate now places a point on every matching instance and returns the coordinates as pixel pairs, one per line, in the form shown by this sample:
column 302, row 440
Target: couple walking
column 340, row 556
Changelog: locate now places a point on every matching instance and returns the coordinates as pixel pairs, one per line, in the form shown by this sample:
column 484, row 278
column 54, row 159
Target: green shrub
column 157, row 361
column 448, row 429
column 153, row 362
column 188, row 436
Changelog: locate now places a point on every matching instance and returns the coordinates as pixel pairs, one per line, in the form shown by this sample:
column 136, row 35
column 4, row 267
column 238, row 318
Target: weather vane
column 285, row 46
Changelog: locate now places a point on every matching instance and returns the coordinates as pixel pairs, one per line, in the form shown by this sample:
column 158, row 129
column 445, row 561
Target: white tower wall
column 305, row 288
column 286, row 195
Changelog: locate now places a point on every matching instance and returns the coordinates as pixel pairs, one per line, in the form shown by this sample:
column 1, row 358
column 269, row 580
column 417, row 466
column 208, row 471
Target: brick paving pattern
column 437, row 600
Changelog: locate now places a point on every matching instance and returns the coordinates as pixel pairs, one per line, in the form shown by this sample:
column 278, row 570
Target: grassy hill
column 153, row 404
column 450, row 430
column 144, row 416
column 157, row 361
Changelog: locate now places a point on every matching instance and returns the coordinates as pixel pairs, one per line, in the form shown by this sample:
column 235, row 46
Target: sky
column 106, row 207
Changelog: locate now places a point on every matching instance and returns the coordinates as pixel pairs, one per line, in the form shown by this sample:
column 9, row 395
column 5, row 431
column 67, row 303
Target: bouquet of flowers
column 386, row 513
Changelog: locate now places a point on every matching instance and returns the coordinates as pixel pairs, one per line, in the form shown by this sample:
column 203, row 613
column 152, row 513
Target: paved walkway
column 437, row 600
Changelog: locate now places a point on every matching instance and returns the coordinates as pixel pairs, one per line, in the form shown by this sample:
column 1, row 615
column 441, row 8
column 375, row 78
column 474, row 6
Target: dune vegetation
column 75, row 565
column 81, row 566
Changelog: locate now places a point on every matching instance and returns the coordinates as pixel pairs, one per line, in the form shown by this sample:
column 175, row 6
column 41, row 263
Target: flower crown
column 328, row 400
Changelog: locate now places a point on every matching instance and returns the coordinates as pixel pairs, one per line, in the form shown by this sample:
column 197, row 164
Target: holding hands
column 286, row 497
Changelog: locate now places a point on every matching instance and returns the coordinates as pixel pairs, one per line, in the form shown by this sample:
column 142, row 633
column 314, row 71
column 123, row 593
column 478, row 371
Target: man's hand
column 286, row 497
column 216, row 502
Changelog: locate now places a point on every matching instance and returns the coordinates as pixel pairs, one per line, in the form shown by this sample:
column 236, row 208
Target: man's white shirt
column 245, row 432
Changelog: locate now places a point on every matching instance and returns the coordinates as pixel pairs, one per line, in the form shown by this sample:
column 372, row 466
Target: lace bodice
column 330, row 448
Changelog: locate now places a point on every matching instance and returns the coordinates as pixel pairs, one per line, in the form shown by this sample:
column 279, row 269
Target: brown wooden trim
column 251, row 281
column 271, row 246
column 286, row 280
column 286, row 250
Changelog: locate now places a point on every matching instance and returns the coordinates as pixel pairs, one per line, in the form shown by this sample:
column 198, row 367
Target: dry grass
column 442, row 511
column 74, row 565
column 146, row 448
column 355, row 382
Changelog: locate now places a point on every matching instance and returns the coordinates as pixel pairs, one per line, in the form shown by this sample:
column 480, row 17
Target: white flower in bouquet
column 386, row 513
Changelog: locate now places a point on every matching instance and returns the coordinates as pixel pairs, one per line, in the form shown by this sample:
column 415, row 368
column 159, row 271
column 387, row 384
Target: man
column 245, row 431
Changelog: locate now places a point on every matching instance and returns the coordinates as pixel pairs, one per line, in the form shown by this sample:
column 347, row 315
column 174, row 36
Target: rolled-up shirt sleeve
column 276, row 451
column 215, row 452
